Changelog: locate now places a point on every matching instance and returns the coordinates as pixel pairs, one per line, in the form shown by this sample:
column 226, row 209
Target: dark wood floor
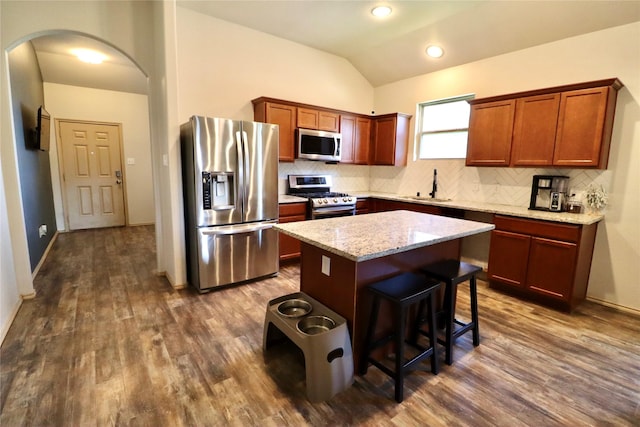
column 105, row 342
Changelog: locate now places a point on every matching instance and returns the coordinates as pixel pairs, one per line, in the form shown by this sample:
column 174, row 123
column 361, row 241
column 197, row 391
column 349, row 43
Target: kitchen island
column 343, row 255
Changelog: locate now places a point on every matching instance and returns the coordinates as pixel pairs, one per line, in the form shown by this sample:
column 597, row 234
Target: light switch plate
column 326, row 265
column 131, row 161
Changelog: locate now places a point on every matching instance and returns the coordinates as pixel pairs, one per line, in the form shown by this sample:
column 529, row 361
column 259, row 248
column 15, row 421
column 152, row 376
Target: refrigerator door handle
column 245, row 155
column 243, row 229
column 243, row 143
column 241, row 171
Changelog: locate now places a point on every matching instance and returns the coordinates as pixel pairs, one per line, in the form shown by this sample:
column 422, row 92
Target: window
column 443, row 126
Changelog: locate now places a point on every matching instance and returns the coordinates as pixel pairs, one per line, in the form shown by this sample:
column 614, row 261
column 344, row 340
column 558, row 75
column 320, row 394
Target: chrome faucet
column 434, row 187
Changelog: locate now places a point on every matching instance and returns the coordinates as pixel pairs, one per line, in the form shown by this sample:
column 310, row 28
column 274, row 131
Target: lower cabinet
column 383, row 205
column 545, row 260
column 362, row 206
column 509, row 257
column 290, row 246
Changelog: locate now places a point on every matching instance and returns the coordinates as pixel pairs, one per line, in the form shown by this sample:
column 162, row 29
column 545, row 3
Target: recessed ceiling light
column 88, row 55
column 381, row 11
column 434, row 51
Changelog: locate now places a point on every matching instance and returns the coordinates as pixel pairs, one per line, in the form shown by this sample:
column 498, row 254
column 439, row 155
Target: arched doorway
column 44, row 72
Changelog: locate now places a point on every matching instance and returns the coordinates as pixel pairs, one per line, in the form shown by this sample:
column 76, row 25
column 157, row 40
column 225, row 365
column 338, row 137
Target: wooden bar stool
column 452, row 273
column 401, row 292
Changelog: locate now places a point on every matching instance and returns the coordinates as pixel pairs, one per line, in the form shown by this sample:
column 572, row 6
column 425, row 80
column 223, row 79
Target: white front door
column 92, row 174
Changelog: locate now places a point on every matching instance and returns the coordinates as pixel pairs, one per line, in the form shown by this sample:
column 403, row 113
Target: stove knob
column 325, row 201
column 335, row 200
column 349, row 199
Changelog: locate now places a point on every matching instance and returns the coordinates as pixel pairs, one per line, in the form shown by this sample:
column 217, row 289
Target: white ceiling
column 387, row 50
column 383, row 50
column 59, row 65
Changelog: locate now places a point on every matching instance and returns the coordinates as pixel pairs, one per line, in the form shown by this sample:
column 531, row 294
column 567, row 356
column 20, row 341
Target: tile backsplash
column 509, row 186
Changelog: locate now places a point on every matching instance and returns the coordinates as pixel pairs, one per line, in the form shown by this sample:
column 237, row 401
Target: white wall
column 223, row 66
column 129, row 109
column 130, row 26
column 9, row 298
column 615, row 52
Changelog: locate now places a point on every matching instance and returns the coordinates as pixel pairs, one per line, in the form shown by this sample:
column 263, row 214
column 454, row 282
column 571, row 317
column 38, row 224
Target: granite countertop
column 285, row 198
column 364, row 237
column 523, row 212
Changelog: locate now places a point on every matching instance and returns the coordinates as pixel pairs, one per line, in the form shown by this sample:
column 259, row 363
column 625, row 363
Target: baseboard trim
column 43, row 258
column 615, row 306
column 10, row 319
column 171, row 281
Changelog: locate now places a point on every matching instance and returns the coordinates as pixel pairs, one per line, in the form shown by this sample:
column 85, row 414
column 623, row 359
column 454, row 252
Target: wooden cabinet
column 566, row 126
column 545, row 260
column 362, row 206
column 509, row 257
column 390, row 139
column 282, row 115
column 585, row 123
column 534, row 133
column 362, row 141
column 348, row 131
column 356, row 139
column 318, row 120
column 490, row 130
column 290, row 246
column 550, row 271
column 384, row 205
column 379, row 140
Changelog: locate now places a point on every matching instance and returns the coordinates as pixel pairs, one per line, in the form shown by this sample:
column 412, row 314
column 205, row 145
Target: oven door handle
column 329, row 211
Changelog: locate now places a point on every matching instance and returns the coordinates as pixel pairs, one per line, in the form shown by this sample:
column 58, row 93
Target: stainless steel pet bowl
column 294, row 308
column 313, row 325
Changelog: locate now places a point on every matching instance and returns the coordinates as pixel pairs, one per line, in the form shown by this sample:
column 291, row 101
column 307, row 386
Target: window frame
column 420, row 132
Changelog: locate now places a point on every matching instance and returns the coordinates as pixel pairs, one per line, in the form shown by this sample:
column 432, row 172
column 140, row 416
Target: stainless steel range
column 323, row 203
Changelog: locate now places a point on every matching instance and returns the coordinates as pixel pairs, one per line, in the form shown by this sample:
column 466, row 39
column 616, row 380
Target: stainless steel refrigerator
column 230, row 183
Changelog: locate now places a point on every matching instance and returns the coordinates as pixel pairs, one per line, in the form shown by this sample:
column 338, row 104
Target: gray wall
column 27, row 95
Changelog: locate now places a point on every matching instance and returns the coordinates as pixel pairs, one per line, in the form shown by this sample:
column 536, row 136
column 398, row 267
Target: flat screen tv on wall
column 43, row 130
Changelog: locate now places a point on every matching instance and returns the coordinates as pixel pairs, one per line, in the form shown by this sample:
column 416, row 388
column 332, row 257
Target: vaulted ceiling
column 383, row 50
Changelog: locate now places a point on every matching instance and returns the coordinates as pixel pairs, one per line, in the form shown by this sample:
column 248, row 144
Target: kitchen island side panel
column 344, row 289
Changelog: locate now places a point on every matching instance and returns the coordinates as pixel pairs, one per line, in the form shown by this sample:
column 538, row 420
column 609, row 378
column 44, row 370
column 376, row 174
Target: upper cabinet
column 390, row 139
column 356, row 139
column 490, row 130
column 318, row 120
column 362, row 141
column 567, row 126
column 284, row 116
column 585, row 123
column 534, row 132
column 379, row 140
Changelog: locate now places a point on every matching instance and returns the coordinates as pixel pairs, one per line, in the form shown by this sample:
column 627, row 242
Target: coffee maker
column 549, row 193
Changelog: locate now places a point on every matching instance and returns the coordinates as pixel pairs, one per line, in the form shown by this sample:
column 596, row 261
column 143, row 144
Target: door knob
column 118, row 177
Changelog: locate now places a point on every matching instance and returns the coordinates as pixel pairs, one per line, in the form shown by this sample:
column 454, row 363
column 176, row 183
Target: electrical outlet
column 42, row 230
column 326, row 265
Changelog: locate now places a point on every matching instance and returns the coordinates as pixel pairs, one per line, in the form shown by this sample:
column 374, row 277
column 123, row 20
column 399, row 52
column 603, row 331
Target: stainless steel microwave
column 319, row 145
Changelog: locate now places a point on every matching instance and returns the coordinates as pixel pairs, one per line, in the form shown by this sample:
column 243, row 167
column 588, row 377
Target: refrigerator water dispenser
column 217, row 190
